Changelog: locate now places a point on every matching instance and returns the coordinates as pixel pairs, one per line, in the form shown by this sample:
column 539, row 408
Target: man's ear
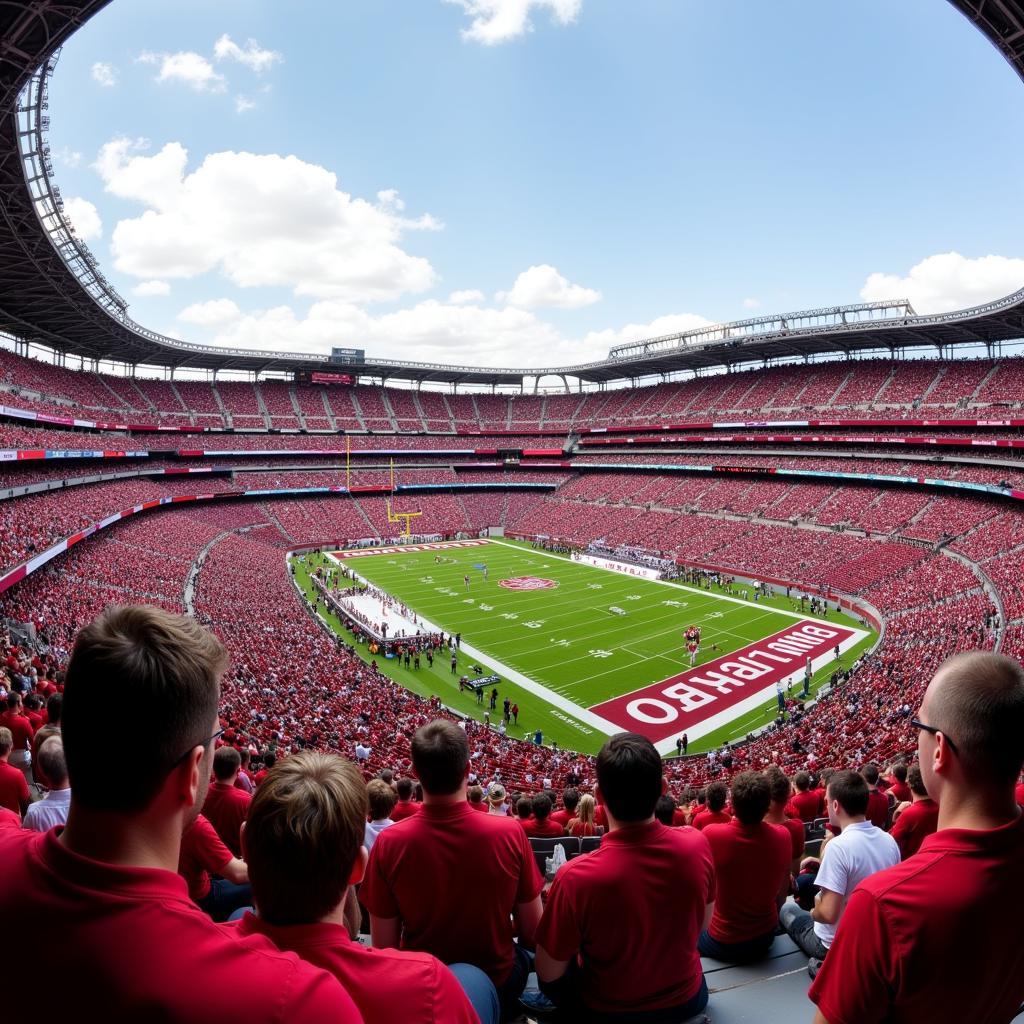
column 186, row 778
column 243, row 841
column 358, row 868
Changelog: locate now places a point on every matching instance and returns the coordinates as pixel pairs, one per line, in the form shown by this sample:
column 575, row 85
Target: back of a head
column 405, row 788
column 716, row 795
column 665, row 810
column 382, row 799
column 6, row 740
column 475, row 794
column 977, row 700
column 899, row 771
column 802, row 781
column 751, row 797
column 850, row 788
column 541, row 806
column 524, row 807
column 52, row 763
column 778, row 782
column 303, row 835
column 629, row 774
column 226, row 761
column 570, row 799
column 916, row 782
column 440, row 755
column 587, row 809
column 167, row 669
column 870, row 773
column 53, row 708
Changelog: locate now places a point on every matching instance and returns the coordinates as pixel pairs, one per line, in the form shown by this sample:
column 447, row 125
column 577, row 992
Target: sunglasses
column 918, row 724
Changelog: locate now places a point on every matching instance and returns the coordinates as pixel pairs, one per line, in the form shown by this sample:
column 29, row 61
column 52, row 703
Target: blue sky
column 526, row 182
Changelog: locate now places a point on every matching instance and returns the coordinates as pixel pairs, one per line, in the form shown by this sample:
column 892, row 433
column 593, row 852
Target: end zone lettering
column 683, row 701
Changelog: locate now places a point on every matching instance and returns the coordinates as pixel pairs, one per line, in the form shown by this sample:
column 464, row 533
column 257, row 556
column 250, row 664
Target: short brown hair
column 778, row 781
column 751, row 797
column 6, row 739
column 980, row 705
column 440, row 754
column 851, row 790
column 382, row 799
column 226, row 761
column 305, row 827
column 167, row 670
column 716, row 795
column 916, row 781
column 629, row 773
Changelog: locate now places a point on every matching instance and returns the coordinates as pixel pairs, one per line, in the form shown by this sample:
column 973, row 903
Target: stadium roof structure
column 52, row 292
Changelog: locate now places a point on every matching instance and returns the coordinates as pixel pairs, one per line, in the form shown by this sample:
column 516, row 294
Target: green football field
column 560, row 651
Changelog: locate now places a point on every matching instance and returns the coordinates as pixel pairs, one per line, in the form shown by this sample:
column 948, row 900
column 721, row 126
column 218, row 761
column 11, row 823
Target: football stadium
column 667, row 673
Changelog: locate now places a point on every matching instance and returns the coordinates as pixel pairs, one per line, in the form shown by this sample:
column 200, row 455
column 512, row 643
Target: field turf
column 564, row 638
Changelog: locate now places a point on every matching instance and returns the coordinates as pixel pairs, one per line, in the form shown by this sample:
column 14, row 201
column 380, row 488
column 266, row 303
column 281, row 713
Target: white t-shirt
column 855, row 854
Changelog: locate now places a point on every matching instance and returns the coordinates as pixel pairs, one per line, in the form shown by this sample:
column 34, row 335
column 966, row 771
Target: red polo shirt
column 134, row 947
column 797, row 835
column 21, row 730
column 13, row 787
column 809, row 805
column 663, row 878
column 8, row 819
column 546, row 829
column 202, row 854
column 563, row 817
column 919, row 820
column 751, row 868
column 702, row 819
column 878, row 808
column 900, row 790
column 405, row 809
column 958, row 900
column 226, row 808
column 453, row 877
column 389, row 986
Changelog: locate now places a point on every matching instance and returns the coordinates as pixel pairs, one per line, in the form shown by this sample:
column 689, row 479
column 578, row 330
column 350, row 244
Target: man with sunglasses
column 959, row 900
column 132, row 946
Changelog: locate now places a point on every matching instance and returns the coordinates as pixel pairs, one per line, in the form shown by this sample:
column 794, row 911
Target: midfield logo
column 528, row 583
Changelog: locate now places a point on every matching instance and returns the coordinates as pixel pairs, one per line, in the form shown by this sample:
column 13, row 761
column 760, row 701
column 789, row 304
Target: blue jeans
column 735, row 952
column 480, row 992
column 799, row 927
column 512, row 988
column 224, row 898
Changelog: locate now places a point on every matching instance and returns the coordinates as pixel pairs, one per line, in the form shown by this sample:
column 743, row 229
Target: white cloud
column 671, row 323
column 542, row 286
column 151, row 289
column 948, row 281
column 431, row 330
column 243, row 104
column 188, row 68
column 751, row 303
column 262, row 220
column 84, row 218
column 104, row 74
column 210, row 314
column 390, row 200
column 497, row 21
column 466, row 296
column 68, row 157
column 252, row 55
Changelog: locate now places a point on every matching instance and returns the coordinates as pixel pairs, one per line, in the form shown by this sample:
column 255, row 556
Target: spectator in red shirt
column 21, row 731
column 524, row 811
column 959, row 899
column 715, row 798
column 132, row 943
column 809, row 803
column 752, row 860
column 226, row 806
column 584, row 824
column 13, row 787
column 878, row 802
column 202, row 855
column 590, row 967
column 405, row 806
column 781, row 792
column 898, row 782
column 303, row 842
column 916, row 820
column 570, row 801
column 540, row 825
column 475, row 796
column 415, row 884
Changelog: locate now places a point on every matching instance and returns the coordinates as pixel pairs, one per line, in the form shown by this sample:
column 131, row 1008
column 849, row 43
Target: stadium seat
column 545, row 847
